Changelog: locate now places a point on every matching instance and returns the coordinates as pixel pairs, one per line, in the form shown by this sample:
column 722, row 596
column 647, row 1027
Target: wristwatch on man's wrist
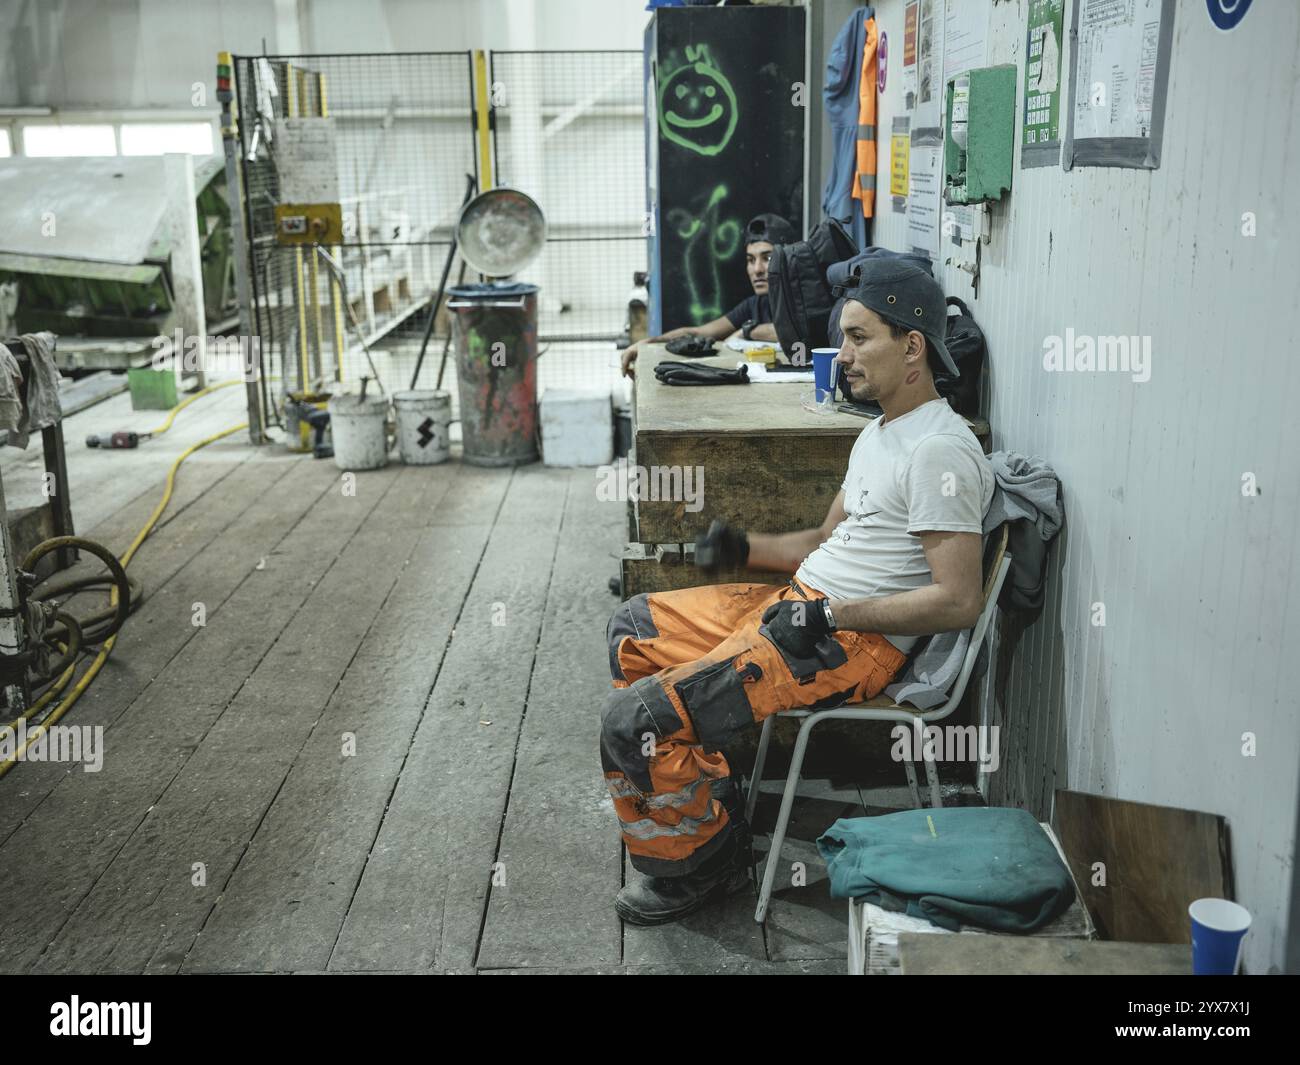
column 747, row 329
column 830, row 618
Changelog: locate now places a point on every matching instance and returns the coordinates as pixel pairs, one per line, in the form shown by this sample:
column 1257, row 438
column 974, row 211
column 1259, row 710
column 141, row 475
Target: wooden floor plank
column 144, row 911
column 286, row 902
column 101, row 480
column 421, row 898
column 97, row 813
column 560, row 853
column 144, row 647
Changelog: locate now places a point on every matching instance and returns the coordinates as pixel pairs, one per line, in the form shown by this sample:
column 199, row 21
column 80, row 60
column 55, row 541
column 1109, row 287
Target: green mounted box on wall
column 979, row 142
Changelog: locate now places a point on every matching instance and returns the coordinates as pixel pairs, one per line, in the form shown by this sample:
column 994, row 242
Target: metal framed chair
column 881, row 708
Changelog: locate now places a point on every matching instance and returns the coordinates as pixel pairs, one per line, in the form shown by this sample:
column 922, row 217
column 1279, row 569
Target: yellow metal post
column 336, row 292
column 291, row 109
column 483, row 130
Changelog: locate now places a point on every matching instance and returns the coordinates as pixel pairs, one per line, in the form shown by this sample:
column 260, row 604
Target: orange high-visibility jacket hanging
column 864, row 180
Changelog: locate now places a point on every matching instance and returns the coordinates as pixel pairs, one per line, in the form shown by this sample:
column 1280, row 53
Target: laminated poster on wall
column 1119, row 68
column 1040, row 127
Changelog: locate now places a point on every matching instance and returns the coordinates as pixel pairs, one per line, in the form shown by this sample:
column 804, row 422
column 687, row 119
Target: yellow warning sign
column 899, row 146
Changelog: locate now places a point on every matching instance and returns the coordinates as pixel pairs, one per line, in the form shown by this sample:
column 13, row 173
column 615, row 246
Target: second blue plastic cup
column 1218, row 928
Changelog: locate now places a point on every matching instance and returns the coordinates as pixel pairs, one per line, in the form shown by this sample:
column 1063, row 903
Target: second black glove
column 722, row 547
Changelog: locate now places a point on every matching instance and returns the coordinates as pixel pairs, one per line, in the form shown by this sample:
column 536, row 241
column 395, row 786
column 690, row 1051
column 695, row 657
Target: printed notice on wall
column 1120, row 69
column 965, row 38
column 923, row 199
column 929, row 63
column 1040, row 130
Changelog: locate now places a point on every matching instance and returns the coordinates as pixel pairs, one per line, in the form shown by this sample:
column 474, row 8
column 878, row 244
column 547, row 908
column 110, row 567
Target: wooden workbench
column 769, row 465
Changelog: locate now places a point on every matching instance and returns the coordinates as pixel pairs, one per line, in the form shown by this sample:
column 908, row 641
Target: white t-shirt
column 916, row 473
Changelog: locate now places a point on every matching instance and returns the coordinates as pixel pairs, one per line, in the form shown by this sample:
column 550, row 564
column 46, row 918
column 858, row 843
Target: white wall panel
column 1201, row 639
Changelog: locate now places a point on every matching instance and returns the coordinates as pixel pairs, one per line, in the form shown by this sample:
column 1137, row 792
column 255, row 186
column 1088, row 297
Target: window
column 155, row 138
column 5, row 149
column 39, row 139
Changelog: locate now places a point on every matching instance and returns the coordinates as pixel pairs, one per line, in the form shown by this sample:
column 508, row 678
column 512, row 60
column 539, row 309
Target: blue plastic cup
column 822, row 359
column 1218, row 929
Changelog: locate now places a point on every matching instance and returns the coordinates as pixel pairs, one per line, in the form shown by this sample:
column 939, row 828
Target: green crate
column 151, row 389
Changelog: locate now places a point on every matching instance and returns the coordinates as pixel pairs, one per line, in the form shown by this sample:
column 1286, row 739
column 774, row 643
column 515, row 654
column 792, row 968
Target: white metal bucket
column 360, row 431
column 423, row 426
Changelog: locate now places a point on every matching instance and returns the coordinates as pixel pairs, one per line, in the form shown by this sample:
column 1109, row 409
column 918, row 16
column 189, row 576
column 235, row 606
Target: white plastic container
column 360, row 431
column 577, row 428
column 423, row 426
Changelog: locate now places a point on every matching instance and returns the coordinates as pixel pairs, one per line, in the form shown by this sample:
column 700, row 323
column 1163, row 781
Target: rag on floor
column 991, row 867
column 1027, row 494
column 43, row 407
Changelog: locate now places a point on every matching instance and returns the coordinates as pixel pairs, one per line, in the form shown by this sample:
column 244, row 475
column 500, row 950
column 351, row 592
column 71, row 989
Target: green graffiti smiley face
column 697, row 106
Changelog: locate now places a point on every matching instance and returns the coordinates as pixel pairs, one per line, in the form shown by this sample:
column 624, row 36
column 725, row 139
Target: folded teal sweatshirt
column 991, row 867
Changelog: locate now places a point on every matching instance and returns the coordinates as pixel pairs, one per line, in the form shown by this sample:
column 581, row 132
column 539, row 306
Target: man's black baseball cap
column 770, row 227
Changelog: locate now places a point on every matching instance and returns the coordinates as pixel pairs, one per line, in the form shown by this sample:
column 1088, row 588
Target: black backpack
column 965, row 342
column 800, row 295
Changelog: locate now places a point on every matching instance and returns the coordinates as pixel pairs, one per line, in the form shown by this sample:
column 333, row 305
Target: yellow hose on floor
column 171, row 417
column 104, row 652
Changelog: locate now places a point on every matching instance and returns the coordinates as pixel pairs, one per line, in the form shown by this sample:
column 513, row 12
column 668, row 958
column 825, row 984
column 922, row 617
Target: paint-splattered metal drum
column 495, row 333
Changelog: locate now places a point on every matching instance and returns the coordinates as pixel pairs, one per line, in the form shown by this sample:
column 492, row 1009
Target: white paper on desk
column 761, row 375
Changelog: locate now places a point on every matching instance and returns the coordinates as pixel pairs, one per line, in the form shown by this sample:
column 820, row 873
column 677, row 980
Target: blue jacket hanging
column 841, row 98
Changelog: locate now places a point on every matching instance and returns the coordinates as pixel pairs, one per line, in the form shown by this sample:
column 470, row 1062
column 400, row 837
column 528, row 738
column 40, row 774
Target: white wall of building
column 1201, row 584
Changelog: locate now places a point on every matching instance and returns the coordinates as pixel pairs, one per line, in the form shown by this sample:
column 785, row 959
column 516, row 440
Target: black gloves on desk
column 688, row 373
column 722, row 547
column 692, row 345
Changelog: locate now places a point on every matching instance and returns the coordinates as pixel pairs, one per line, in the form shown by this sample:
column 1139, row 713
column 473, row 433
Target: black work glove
column 797, row 635
column 694, row 373
column 722, row 547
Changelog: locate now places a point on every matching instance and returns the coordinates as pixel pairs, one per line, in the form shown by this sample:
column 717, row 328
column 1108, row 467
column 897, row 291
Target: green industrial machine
column 979, row 143
column 96, row 263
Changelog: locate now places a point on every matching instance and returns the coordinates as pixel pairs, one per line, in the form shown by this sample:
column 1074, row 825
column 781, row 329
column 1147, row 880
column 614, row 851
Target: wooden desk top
column 768, row 409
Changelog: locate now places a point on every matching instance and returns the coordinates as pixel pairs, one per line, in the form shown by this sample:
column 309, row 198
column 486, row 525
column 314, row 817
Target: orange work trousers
column 691, row 668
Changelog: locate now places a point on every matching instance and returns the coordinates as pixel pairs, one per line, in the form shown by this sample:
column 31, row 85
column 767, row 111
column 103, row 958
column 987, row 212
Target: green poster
column 1040, row 128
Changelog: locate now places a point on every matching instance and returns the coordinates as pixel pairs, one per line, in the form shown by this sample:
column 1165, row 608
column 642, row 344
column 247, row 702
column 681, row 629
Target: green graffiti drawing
column 697, row 106
column 710, row 240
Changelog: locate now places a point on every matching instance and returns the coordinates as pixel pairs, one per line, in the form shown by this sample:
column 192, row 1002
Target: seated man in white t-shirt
column 898, row 557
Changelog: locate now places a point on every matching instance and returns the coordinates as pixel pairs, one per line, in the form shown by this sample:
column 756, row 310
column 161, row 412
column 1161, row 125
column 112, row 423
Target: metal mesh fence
column 568, row 131
column 402, row 147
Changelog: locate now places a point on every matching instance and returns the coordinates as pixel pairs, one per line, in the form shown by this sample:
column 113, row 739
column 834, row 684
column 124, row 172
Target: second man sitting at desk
column 751, row 317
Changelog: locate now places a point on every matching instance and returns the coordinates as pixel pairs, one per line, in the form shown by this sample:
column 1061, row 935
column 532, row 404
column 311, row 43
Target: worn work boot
column 654, row 900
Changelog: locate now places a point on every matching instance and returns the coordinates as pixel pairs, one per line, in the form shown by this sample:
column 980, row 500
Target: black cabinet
column 726, row 104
